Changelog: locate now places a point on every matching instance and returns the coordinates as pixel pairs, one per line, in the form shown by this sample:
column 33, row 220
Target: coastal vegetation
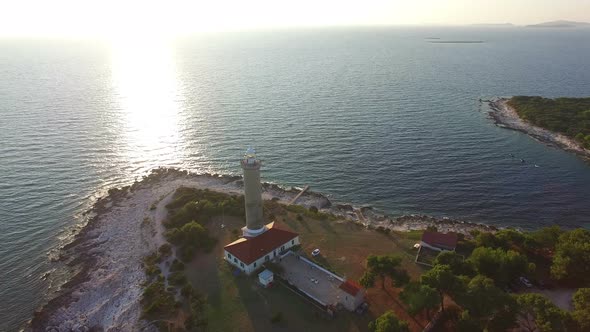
column 388, row 322
column 188, row 212
column 168, row 297
column 495, row 264
column 581, row 313
column 200, row 292
column 384, row 266
column 569, row 116
column 228, row 301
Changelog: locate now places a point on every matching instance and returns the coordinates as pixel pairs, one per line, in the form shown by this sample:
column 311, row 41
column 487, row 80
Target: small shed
column 265, row 277
column 353, row 295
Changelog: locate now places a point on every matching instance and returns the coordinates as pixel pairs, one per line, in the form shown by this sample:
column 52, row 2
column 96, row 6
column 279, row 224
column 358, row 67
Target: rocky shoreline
column 105, row 257
column 506, row 117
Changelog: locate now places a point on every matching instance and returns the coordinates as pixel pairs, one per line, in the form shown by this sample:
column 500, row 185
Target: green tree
column 581, row 311
column 487, row 239
column 388, row 322
column 399, row 277
column 545, row 238
column 500, row 265
column 382, row 267
column 420, row 298
column 572, row 257
column 456, row 262
column 489, row 305
column 538, row 313
column 510, row 237
column 442, row 278
column 367, row 280
column 191, row 233
column 467, row 324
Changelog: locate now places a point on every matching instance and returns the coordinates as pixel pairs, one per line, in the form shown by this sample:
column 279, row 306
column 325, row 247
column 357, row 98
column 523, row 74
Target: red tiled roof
column 350, row 287
column 448, row 240
column 248, row 250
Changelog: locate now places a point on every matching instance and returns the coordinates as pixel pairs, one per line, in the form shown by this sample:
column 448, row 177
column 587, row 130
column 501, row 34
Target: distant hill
column 493, row 25
column 560, row 24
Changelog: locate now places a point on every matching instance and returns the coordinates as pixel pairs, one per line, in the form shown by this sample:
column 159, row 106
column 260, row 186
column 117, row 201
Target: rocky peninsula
column 506, row 116
column 105, row 257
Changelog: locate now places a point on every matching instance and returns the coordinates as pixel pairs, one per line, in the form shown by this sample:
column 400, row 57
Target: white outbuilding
column 266, row 277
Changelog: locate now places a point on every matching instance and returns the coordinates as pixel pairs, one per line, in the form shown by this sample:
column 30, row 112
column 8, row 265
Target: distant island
column 560, row 24
column 493, row 25
column 456, row 41
column 562, row 122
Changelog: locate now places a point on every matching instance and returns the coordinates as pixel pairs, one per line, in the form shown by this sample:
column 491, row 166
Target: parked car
column 315, row 252
column 525, row 282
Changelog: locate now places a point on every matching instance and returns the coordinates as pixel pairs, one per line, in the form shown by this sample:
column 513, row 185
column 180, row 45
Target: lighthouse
column 259, row 243
column 252, row 195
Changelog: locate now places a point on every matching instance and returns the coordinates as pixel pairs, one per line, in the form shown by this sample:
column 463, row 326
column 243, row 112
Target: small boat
column 522, row 160
column 537, row 166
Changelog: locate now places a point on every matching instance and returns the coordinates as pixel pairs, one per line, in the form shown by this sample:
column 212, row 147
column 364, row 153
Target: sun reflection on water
column 145, row 77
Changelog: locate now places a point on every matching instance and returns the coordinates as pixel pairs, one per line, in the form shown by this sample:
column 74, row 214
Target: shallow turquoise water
column 368, row 116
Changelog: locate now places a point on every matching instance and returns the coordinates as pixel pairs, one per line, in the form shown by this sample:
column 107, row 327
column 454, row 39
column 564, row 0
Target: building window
column 235, row 261
column 266, row 258
column 229, row 256
column 242, row 264
column 292, row 242
column 283, row 248
column 254, row 264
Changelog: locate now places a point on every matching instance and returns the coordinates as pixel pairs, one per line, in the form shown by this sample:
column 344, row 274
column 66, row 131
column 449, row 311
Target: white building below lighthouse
column 259, row 243
column 248, row 254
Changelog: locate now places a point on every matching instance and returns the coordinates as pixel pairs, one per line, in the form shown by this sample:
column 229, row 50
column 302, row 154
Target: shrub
column 276, row 318
column 152, row 270
column 165, row 249
column 176, row 266
column 187, row 253
column 187, row 290
column 177, row 278
column 157, row 300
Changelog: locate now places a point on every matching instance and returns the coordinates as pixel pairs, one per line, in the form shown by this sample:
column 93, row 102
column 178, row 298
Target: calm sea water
column 368, row 116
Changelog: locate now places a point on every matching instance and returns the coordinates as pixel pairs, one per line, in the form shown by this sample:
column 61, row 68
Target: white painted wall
column 248, row 269
column 352, row 302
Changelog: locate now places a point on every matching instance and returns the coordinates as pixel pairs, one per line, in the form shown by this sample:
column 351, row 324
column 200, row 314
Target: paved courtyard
column 311, row 280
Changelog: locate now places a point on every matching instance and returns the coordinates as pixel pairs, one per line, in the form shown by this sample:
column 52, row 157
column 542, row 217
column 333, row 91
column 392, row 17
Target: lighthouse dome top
column 250, row 158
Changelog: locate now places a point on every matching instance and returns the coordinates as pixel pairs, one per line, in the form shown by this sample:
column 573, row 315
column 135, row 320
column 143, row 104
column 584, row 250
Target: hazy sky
column 121, row 17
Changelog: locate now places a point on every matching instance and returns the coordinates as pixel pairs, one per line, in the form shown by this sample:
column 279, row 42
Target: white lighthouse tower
column 252, row 195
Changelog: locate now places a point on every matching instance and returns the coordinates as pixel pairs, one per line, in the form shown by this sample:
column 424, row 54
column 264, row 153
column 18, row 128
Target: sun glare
column 145, row 78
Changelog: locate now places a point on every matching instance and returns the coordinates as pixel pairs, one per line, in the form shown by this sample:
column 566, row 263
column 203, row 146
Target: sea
column 380, row 116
